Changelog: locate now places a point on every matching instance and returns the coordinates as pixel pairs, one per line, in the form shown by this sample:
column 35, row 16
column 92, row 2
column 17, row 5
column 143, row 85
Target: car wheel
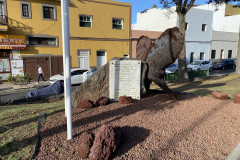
column 210, row 69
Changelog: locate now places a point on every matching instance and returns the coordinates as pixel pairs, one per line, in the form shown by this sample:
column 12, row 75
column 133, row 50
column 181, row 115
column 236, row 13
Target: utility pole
column 67, row 65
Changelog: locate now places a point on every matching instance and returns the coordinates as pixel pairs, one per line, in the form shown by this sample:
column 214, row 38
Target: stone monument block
column 124, row 79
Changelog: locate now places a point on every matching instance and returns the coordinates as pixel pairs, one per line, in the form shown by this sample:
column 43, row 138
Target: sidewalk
column 9, row 85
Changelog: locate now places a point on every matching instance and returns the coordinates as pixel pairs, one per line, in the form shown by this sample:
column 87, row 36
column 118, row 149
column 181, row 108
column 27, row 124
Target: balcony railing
column 3, row 20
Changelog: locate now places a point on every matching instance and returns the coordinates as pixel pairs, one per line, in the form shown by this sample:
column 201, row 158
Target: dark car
column 224, row 63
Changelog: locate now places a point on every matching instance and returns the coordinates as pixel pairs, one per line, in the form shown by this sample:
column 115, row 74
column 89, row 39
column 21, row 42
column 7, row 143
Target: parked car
column 171, row 68
column 224, row 63
column 76, row 76
column 200, row 65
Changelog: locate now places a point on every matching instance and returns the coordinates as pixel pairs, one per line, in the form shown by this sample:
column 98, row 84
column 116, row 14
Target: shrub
column 20, row 79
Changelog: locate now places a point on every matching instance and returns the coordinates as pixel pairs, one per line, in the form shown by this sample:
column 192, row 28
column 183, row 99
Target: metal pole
column 67, row 64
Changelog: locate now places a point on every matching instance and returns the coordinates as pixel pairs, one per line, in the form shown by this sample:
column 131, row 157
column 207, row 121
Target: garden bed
column 155, row 127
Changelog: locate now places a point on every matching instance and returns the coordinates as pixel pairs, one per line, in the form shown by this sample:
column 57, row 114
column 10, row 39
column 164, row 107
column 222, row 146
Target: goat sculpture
column 160, row 54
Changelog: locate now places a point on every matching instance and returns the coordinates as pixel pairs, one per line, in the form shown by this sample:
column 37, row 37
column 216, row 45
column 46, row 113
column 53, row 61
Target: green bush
column 20, row 79
column 0, row 77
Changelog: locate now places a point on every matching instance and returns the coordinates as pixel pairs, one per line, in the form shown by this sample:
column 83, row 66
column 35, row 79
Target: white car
column 76, row 76
column 171, row 68
column 200, row 65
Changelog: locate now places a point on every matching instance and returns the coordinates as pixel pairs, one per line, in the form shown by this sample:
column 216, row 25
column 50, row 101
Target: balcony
column 3, row 23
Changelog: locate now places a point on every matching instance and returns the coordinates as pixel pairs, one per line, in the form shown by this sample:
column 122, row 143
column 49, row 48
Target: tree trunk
column 182, row 64
column 238, row 56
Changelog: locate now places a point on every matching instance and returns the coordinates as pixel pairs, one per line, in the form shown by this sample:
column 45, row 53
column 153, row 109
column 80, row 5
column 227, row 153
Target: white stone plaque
column 124, row 79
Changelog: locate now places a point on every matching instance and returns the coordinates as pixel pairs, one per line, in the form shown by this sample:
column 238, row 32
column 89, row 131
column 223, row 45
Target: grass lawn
column 228, row 84
column 18, row 128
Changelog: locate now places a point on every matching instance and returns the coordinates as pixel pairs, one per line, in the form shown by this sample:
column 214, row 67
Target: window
column 48, row 12
column 43, row 41
column 25, row 9
column 3, row 13
column 229, row 53
column 222, row 54
column 204, row 27
column 186, row 26
column 85, row 21
column 201, row 55
column 191, row 57
column 213, row 54
column 117, row 23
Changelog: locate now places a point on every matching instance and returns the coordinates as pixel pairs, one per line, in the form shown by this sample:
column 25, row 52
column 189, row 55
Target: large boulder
column 237, row 98
column 97, row 85
column 84, row 144
column 106, row 141
column 219, row 95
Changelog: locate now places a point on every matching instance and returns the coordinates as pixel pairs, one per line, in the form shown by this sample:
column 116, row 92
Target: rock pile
column 106, row 141
column 219, row 95
column 125, row 100
column 237, row 98
column 87, row 104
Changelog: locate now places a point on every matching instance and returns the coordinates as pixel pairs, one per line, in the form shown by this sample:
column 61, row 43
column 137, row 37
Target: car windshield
column 196, row 63
column 172, row 65
column 219, row 61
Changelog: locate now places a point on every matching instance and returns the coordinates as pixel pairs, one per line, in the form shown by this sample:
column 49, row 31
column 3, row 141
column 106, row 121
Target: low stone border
column 41, row 119
column 33, row 100
column 235, row 154
column 23, row 86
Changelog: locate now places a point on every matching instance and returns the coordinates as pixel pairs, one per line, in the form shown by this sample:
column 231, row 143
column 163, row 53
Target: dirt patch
column 155, row 128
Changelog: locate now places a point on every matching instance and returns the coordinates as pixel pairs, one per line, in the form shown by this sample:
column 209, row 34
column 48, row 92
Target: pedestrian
column 40, row 74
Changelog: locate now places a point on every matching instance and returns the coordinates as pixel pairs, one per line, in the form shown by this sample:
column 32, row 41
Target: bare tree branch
column 190, row 5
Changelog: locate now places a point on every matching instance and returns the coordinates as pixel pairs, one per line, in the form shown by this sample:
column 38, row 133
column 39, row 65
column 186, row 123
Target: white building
column 198, row 28
column 226, row 25
column 224, row 45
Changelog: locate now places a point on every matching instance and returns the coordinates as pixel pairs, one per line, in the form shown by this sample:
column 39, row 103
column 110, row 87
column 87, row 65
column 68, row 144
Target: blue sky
column 140, row 5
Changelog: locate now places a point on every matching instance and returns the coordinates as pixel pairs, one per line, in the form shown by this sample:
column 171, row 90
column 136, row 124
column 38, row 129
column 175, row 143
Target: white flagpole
column 67, row 65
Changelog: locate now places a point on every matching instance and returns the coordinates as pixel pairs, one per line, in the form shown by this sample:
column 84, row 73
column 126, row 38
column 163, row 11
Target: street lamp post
column 67, row 64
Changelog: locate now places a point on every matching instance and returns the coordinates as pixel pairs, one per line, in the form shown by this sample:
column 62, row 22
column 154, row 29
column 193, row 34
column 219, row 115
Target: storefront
column 10, row 46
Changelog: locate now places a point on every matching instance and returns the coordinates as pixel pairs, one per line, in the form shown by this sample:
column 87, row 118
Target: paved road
column 11, row 94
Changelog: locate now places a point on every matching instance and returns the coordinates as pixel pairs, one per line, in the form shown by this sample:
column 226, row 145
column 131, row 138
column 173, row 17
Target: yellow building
column 31, row 31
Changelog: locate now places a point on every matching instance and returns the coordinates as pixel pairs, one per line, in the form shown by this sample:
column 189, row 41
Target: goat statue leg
column 161, row 83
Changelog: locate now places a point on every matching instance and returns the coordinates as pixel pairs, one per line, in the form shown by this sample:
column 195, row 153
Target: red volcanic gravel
column 154, row 127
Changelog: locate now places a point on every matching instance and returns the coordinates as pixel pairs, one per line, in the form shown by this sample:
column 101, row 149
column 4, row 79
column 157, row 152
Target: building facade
column 136, row 34
column 30, row 31
column 226, row 26
column 224, row 45
column 198, row 28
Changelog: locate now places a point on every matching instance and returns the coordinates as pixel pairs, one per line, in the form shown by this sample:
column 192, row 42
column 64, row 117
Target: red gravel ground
column 155, row 128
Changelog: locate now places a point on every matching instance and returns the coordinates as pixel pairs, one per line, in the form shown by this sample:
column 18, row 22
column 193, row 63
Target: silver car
column 200, row 65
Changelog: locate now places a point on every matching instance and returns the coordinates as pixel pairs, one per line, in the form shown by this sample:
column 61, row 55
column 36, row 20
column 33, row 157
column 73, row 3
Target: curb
column 235, row 154
column 41, row 119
